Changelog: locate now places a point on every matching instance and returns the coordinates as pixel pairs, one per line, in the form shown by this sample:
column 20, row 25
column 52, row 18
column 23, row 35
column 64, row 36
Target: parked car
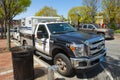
column 15, row 33
column 93, row 28
column 12, row 32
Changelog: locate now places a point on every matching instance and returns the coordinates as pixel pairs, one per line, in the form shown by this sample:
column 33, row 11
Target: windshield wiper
column 59, row 33
column 63, row 32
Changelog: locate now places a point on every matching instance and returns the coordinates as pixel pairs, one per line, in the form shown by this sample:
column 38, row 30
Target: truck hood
column 76, row 37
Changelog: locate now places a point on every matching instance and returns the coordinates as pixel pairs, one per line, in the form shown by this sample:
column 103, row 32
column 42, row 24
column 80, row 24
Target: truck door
column 91, row 29
column 42, row 39
column 84, row 28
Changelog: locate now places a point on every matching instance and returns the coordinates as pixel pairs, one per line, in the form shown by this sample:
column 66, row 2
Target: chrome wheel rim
column 62, row 65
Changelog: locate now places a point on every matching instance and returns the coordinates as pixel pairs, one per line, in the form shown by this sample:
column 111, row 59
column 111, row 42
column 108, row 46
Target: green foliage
column 92, row 7
column 11, row 8
column 111, row 10
column 117, row 31
column 79, row 14
column 83, row 14
column 47, row 11
column 73, row 15
column 113, row 26
column 8, row 10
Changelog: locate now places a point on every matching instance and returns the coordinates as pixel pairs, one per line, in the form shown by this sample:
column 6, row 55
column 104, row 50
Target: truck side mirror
column 93, row 28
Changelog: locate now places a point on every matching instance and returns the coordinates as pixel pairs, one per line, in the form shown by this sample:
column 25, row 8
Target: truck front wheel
column 65, row 67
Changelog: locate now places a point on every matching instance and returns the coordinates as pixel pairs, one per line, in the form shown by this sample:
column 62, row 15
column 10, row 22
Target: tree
column 11, row 8
column 79, row 14
column 92, row 6
column 73, row 15
column 1, row 21
column 47, row 11
column 111, row 10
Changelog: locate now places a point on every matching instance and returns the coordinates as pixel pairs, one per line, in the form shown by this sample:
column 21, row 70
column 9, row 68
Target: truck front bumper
column 86, row 62
column 107, row 35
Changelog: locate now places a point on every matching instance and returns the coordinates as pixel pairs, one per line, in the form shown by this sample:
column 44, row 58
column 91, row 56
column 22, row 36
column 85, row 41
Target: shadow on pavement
column 96, row 72
column 40, row 72
column 79, row 74
column 113, row 61
column 113, row 66
column 89, row 73
column 108, row 39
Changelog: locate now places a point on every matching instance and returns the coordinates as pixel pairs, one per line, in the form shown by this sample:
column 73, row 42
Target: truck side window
column 90, row 27
column 42, row 32
column 84, row 26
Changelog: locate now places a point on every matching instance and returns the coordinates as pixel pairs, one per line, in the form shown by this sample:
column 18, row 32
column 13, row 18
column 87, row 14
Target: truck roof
column 51, row 22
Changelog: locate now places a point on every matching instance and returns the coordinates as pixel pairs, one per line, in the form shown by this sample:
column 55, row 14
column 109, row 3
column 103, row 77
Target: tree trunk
column 8, row 36
column 5, row 28
column 93, row 19
column 2, row 31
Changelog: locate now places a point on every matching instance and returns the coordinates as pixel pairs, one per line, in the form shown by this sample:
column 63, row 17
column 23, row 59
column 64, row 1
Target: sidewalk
column 6, row 68
column 6, row 72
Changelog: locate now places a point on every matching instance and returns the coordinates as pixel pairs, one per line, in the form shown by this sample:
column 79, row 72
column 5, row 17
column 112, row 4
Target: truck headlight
column 78, row 49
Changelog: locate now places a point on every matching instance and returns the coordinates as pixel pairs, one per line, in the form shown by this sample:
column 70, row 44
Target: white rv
column 34, row 20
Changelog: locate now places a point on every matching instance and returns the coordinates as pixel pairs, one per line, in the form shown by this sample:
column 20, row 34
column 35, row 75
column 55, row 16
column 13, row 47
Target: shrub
column 117, row 31
column 113, row 26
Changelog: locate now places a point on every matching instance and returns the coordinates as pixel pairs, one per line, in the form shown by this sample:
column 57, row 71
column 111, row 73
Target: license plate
column 102, row 59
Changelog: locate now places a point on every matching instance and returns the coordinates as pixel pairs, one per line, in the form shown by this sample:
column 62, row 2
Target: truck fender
column 61, row 48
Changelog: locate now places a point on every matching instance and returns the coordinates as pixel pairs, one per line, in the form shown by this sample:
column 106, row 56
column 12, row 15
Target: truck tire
column 65, row 67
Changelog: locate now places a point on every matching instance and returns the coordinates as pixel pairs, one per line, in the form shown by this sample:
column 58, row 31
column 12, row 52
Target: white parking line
column 107, row 72
column 41, row 62
column 6, row 72
column 16, row 42
column 9, row 71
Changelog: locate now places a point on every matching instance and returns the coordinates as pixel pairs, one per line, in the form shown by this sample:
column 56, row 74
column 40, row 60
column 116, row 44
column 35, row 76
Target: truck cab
column 65, row 46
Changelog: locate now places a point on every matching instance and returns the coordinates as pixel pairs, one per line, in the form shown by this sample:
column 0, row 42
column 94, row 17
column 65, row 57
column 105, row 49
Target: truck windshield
column 57, row 28
column 97, row 26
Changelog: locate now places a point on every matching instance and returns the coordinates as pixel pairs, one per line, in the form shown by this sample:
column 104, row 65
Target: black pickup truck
column 68, row 48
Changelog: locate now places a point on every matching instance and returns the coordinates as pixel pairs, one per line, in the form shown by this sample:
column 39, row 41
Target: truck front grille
column 96, row 46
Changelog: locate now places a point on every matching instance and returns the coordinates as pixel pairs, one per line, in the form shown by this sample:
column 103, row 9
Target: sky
column 62, row 7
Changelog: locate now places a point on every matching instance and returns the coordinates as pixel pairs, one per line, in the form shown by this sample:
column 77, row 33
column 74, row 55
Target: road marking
column 107, row 72
column 9, row 71
column 41, row 62
column 6, row 72
column 16, row 42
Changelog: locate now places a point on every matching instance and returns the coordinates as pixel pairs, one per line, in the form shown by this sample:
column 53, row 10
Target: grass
column 117, row 31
